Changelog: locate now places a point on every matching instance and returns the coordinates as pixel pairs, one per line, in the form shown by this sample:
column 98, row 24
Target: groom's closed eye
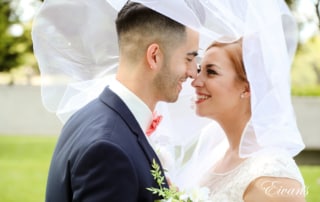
column 191, row 56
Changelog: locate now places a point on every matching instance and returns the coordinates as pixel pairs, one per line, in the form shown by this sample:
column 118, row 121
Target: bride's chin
column 199, row 113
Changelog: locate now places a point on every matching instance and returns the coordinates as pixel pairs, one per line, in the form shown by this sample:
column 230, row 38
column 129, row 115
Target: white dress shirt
column 139, row 109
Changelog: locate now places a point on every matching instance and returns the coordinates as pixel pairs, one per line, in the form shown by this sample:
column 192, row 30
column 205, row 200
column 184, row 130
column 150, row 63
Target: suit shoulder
column 100, row 150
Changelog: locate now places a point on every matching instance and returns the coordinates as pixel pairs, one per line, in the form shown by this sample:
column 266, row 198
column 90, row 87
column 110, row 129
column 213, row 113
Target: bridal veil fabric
column 75, row 44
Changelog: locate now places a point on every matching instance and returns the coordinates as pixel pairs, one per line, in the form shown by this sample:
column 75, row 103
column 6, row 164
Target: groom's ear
column 154, row 56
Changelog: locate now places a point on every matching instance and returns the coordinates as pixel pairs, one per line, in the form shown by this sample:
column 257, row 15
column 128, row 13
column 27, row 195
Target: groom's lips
column 181, row 81
column 201, row 97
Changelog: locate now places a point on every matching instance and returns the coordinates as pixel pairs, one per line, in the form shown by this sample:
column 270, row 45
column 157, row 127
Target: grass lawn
column 24, row 163
column 311, row 175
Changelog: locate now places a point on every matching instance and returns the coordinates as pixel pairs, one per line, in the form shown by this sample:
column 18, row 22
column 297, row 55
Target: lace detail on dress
column 230, row 186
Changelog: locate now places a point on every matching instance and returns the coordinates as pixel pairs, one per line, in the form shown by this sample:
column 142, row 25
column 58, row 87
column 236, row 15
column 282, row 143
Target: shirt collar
column 140, row 110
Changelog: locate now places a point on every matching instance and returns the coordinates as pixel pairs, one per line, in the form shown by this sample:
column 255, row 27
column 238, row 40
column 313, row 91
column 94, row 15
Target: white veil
column 75, row 44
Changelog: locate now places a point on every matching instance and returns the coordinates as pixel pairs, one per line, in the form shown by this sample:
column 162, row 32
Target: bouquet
column 173, row 194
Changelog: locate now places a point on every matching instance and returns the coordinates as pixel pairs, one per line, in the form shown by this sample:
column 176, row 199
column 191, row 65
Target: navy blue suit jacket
column 102, row 155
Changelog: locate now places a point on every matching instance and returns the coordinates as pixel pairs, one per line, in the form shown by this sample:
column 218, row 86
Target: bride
column 247, row 153
column 223, row 94
column 243, row 86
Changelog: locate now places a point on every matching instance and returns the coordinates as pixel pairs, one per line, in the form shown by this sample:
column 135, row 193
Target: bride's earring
column 242, row 95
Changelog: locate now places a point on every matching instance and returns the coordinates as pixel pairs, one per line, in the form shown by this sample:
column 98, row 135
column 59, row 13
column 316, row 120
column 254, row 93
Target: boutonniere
column 173, row 194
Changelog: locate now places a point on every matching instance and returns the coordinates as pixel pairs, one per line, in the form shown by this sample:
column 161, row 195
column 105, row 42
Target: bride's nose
column 197, row 82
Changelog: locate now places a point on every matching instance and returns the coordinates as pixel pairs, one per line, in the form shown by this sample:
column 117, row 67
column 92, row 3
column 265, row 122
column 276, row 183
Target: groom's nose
column 193, row 71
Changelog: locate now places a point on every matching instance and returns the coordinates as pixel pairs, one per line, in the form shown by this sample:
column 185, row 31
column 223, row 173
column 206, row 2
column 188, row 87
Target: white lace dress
column 230, row 186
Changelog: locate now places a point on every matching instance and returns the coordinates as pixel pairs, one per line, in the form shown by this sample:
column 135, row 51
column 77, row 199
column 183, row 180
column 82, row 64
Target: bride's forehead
column 215, row 52
column 217, row 56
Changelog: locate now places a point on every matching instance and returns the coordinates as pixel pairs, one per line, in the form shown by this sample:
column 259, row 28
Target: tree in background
column 15, row 38
column 8, row 49
column 306, row 64
column 316, row 65
column 305, row 18
column 16, row 45
column 290, row 3
column 317, row 7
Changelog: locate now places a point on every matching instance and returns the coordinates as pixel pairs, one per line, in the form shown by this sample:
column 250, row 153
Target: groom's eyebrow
column 193, row 53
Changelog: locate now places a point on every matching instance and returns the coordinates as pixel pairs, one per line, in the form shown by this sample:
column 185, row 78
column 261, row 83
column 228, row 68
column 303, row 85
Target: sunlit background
column 28, row 132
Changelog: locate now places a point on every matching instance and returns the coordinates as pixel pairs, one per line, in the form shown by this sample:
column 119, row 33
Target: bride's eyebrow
column 212, row 65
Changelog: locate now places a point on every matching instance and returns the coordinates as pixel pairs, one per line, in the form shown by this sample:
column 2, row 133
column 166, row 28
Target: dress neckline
column 231, row 170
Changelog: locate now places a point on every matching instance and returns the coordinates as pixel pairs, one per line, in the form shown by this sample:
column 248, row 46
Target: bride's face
column 218, row 86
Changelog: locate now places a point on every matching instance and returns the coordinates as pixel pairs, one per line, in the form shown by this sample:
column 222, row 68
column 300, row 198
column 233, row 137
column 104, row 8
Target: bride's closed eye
column 209, row 69
column 212, row 72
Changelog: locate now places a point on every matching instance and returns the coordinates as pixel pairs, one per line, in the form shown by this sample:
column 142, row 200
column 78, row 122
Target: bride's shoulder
column 276, row 176
column 274, row 189
column 273, row 161
column 275, row 164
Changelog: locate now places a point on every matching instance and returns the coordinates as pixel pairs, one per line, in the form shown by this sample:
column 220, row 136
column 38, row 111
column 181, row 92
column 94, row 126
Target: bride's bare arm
column 274, row 189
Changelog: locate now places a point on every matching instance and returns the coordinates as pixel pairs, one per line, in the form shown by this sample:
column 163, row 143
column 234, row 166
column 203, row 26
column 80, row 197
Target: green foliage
column 164, row 192
column 305, row 74
column 290, row 3
column 14, row 50
column 306, row 90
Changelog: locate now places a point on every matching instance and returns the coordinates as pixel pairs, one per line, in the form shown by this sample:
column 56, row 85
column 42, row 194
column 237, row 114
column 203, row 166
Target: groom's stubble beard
column 166, row 82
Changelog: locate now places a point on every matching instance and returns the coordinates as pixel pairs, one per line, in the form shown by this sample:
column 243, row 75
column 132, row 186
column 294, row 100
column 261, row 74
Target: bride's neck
column 229, row 162
column 231, row 158
column 234, row 130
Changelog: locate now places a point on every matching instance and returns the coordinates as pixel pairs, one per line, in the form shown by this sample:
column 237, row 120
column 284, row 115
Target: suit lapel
column 113, row 101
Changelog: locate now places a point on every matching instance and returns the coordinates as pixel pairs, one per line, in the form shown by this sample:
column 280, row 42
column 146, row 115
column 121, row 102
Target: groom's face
column 178, row 65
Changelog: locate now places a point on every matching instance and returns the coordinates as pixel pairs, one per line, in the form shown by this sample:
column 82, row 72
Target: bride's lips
column 201, row 97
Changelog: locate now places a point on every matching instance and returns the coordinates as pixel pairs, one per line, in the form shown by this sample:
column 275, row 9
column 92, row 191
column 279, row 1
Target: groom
column 103, row 152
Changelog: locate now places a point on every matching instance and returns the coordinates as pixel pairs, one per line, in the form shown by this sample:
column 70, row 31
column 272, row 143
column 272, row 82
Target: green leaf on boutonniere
column 172, row 194
column 164, row 192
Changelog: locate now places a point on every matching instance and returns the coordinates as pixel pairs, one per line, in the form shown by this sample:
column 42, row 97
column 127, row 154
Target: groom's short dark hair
column 138, row 26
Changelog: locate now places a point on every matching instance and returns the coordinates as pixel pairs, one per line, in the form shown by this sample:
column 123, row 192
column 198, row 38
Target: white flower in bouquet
column 198, row 194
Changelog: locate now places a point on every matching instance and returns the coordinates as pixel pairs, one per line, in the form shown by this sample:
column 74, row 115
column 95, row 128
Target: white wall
column 21, row 112
column 308, row 117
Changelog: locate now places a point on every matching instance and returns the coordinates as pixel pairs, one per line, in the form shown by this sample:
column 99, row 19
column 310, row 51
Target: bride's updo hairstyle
column 234, row 52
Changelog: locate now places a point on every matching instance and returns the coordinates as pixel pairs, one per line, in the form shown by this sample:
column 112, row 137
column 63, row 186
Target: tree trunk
column 316, row 69
column 318, row 12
